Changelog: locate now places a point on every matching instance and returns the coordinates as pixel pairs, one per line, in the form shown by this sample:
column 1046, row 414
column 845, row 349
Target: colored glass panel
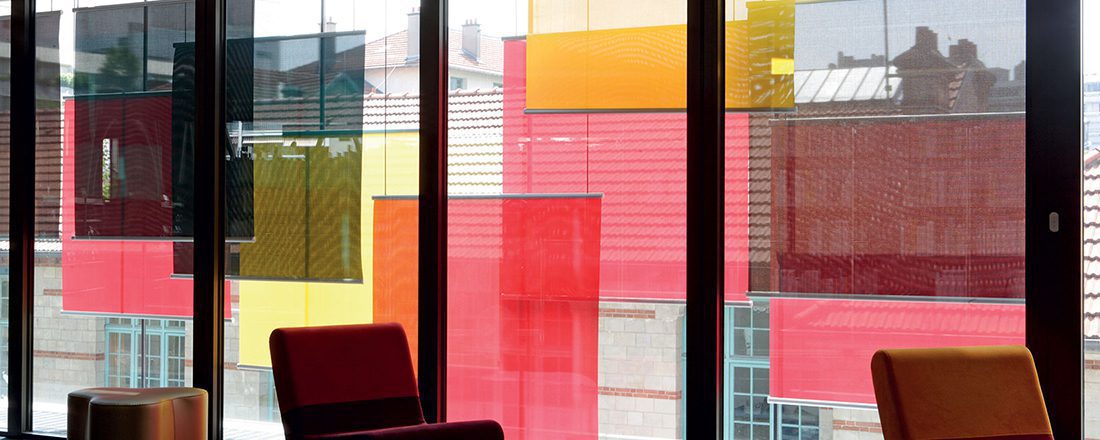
column 604, row 64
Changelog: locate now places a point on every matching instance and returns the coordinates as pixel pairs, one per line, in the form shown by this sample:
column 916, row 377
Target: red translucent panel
column 928, row 206
column 821, row 349
column 117, row 277
column 523, row 287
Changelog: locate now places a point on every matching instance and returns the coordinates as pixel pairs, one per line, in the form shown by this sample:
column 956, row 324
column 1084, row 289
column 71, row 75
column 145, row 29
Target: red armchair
column 355, row 382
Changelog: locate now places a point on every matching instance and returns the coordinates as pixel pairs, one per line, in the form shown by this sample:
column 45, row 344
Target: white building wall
column 404, row 79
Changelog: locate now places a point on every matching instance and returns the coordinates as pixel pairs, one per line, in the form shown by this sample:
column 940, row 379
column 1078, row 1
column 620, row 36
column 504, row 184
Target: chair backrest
column 959, row 392
column 344, row 379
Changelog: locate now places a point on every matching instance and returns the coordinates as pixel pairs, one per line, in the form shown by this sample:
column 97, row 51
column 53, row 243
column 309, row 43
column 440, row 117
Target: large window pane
column 5, row 195
column 567, row 237
column 108, row 309
column 880, row 206
column 323, row 118
column 1091, row 213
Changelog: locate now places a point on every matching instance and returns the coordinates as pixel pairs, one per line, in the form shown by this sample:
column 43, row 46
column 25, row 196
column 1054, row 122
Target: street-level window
column 798, row 422
column 145, row 352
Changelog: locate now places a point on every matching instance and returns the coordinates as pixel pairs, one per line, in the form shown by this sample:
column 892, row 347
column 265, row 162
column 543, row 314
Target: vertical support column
column 210, row 141
column 21, row 257
column 1054, row 149
column 433, row 210
column 705, row 216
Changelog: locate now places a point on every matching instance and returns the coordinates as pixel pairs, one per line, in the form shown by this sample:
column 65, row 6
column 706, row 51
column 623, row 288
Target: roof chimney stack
column 926, row 39
column 962, row 52
column 471, row 39
column 413, row 49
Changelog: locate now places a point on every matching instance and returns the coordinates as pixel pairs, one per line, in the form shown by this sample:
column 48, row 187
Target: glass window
column 162, row 353
column 567, row 218
column 458, row 83
column 108, row 173
column 874, row 194
column 1090, row 205
column 324, row 143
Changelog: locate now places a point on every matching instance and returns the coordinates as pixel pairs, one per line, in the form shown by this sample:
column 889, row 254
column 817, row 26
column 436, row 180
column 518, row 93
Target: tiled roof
column 392, row 50
column 47, row 182
column 475, row 123
column 1091, row 251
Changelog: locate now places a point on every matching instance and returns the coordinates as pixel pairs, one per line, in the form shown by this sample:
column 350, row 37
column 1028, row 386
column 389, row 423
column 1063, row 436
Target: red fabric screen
column 821, row 349
column 638, row 161
column 523, row 324
column 929, row 207
column 523, row 280
column 119, row 277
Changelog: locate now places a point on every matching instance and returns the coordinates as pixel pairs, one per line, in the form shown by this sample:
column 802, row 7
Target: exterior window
column 159, row 362
column 747, row 369
column 798, row 422
column 458, row 83
column 269, row 402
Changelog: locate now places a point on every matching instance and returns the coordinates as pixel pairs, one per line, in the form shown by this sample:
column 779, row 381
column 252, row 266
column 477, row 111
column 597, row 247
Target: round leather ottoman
column 138, row 414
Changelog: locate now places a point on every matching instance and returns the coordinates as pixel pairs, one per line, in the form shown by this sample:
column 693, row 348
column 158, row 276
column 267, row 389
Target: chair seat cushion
column 473, row 430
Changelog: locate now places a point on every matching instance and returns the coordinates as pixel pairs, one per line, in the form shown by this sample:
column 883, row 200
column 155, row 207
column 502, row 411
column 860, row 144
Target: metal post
column 705, row 216
column 1053, row 254
column 21, row 257
column 433, row 210
column 210, row 141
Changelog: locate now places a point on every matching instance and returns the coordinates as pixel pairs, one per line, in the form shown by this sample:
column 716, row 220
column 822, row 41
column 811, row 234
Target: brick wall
column 640, row 370
column 68, row 349
column 853, row 424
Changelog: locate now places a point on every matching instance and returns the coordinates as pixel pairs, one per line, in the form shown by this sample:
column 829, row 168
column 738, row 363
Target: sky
column 855, row 27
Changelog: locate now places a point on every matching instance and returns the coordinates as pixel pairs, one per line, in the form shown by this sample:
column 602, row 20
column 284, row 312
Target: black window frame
column 1053, row 254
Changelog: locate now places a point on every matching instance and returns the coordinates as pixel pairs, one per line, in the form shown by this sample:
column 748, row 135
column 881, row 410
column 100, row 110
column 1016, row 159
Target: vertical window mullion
column 1053, row 255
column 705, row 218
column 209, row 220
column 432, row 254
column 21, row 257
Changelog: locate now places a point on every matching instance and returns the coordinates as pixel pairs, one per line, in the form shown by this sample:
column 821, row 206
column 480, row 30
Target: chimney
column 926, row 39
column 962, row 52
column 413, row 49
column 471, row 39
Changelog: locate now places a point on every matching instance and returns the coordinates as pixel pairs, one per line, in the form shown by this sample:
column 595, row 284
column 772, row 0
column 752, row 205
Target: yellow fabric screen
column 388, row 168
column 604, row 66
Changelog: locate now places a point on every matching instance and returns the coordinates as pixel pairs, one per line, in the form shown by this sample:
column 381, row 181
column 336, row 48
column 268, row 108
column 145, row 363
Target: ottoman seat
column 137, row 413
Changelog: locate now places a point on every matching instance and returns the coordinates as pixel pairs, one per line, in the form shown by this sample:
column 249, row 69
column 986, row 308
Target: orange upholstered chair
column 959, row 393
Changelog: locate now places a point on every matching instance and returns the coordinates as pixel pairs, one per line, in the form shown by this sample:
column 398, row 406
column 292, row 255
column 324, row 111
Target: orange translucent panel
column 645, row 67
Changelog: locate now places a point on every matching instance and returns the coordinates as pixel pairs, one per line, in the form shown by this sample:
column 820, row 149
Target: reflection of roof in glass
column 843, row 85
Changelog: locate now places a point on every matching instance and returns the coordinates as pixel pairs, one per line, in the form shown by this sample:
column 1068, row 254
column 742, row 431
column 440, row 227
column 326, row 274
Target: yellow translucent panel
column 389, row 168
column 556, row 16
column 266, row 306
column 306, row 199
column 628, row 66
column 760, row 56
column 553, row 16
column 636, row 68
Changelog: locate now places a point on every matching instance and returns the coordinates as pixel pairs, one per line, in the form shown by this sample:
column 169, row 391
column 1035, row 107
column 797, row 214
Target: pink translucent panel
column 821, row 349
column 524, row 314
column 118, row 277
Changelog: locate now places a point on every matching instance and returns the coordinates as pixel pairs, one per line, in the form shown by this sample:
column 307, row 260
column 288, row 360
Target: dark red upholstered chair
column 355, row 382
